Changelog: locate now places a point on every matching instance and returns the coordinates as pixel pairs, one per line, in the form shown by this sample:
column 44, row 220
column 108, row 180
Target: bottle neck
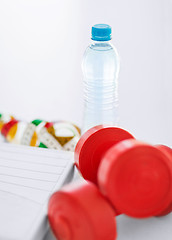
column 100, row 42
column 101, row 45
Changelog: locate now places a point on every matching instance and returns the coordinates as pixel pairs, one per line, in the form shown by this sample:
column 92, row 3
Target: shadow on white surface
column 144, row 229
column 139, row 229
column 49, row 236
column 136, row 229
column 155, row 228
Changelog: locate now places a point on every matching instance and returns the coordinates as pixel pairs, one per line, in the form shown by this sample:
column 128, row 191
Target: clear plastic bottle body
column 100, row 68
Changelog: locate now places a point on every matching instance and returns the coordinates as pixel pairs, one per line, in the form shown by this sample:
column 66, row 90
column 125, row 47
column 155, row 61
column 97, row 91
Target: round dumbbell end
column 62, row 229
column 81, row 212
column 62, row 211
column 137, row 178
column 92, row 146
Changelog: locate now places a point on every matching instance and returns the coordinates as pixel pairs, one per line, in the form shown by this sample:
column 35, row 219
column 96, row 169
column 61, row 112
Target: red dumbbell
column 93, row 145
column 81, row 212
column 136, row 177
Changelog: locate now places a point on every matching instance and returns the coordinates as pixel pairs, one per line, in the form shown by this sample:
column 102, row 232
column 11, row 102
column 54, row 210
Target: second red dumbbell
column 136, row 177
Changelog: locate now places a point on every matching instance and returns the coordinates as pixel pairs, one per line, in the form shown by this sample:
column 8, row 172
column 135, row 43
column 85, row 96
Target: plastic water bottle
column 100, row 69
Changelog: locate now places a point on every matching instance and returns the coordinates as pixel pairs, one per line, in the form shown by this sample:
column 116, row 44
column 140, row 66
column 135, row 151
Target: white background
column 41, row 48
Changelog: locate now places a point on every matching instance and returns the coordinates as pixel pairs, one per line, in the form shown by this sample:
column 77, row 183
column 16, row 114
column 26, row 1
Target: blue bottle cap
column 101, row 32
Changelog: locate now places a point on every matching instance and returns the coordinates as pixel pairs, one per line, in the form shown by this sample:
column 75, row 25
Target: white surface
column 148, row 229
column 28, row 176
column 155, row 228
column 138, row 229
column 134, row 229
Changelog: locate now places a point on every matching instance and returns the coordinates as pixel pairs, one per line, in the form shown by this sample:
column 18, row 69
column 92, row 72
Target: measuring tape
column 30, row 136
column 56, row 135
column 66, row 134
column 4, row 118
column 9, row 128
column 48, row 140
